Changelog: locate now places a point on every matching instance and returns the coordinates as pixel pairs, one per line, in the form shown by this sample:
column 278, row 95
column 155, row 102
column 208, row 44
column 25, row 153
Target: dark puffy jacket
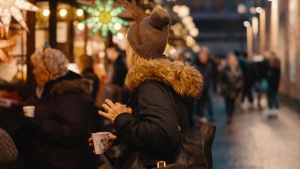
column 62, row 130
column 88, row 73
column 209, row 73
column 231, row 82
column 152, row 130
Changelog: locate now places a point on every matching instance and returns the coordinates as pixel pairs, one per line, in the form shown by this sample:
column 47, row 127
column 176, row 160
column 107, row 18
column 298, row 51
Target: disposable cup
column 100, row 141
column 29, row 111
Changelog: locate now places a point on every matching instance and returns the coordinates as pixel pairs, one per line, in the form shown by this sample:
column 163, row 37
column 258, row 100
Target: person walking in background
column 148, row 126
column 116, row 73
column 232, row 84
column 247, row 69
column 187, row 56
column 85, row 65
column 208, row 69
column 60, row 127
column 261, row 67
column 273, row 81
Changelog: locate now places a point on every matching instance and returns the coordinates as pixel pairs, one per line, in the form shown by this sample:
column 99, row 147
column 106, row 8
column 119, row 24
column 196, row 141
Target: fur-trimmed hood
column 78, row 85
column 183, row 78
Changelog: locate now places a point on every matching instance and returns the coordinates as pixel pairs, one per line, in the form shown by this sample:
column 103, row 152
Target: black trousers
column 230, row 106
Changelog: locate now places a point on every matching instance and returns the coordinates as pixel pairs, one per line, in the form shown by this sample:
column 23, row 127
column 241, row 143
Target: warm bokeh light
column 46, row 12
column 120, row 36
column 79, row 12
column 190, row 25
column 194, row 32
column 101, row 54
column 80, row 26
column 258, row 9
column 147, row 11
column 187, row 19
column 63, row 12
column 252, row 10
column 196, row 48
column 176, row 8
column 241, row 9
column 117, row 26
column 247, row 24
column 183, row 11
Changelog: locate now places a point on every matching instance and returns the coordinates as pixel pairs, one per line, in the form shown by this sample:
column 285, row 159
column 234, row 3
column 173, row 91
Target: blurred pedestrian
column 148, row 126
column 247, row 69
column 261, row 67
column 116, row 73
column 85, row 65
column 273, row 79
column 208, row 69
column 186, row 56
column 232, row 83
column 60, row 126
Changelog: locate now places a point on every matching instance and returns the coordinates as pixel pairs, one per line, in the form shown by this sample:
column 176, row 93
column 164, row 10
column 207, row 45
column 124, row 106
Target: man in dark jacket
column 117, row 71
column 85, row 65
column 208, row 69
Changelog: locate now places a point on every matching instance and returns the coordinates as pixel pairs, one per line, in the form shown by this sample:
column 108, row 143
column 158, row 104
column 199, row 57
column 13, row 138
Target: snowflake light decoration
column 104, row 17
column 10, row 8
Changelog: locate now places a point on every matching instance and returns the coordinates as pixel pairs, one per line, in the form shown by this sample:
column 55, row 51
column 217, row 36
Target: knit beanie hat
column 149, row 36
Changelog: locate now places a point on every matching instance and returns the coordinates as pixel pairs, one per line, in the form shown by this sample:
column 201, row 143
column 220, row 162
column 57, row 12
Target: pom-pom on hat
column 148, row 36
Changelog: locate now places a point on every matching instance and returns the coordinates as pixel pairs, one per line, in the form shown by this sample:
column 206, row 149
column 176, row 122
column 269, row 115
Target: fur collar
column 183, row 78
column 78, row 85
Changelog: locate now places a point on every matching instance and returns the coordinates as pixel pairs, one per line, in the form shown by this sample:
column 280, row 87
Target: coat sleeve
column 71, row 121
column 156, row 127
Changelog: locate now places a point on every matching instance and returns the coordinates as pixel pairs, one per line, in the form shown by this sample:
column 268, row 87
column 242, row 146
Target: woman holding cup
column 149, row 125
column 60, row 126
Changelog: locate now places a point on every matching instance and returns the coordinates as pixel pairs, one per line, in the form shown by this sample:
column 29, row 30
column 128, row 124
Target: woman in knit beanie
column 148, row 127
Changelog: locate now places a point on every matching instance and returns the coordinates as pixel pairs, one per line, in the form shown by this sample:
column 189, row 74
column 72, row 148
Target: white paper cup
column 29, row 111
column 100, row 141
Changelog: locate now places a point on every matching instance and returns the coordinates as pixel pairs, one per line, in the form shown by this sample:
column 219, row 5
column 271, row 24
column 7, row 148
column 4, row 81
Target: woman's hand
column 112, row 139
column 113, row 110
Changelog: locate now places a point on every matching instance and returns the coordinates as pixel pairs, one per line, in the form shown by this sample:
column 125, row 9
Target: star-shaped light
column 104, row 17
column 4, row 43
column 10, row 8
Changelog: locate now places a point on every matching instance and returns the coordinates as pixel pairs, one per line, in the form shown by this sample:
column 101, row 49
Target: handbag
column 194, row 151
column 8, row 150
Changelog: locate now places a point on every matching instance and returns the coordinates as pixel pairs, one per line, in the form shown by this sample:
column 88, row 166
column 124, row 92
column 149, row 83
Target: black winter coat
column 62, row 129
column 88, row 73
column 209, row 73
column 119, row 71
column 273, row 79
column 231, row 82
column 152, row 130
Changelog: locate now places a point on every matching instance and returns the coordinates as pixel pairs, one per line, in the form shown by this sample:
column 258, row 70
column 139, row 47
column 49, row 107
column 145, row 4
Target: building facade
column 283, row 38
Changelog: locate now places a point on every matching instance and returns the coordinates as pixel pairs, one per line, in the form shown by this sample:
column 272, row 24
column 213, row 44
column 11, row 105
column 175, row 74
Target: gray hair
column 52, row 61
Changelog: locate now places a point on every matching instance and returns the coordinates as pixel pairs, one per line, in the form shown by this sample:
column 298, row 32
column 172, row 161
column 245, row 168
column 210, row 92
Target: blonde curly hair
column 50, row 60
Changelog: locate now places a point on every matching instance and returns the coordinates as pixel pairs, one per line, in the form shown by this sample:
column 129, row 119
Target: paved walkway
column 253, row 141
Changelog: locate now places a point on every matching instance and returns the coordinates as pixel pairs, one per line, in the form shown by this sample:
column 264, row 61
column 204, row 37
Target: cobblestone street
column 253, row 141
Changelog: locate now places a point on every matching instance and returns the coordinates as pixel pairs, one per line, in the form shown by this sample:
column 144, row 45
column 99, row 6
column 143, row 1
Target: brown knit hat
column 153, row 33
